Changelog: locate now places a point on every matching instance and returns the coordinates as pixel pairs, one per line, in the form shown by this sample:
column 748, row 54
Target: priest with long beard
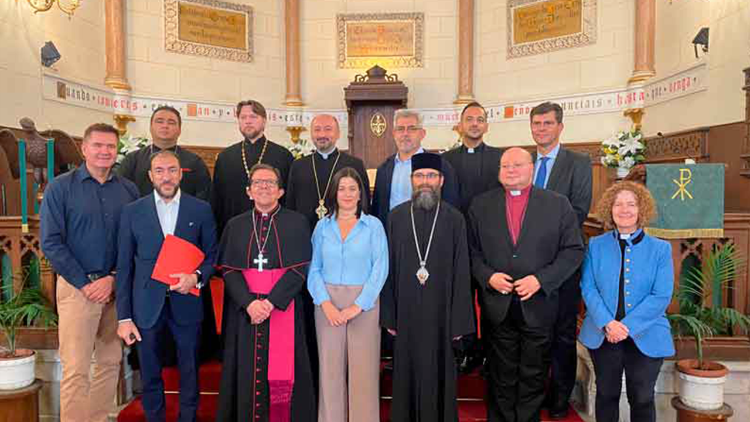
column 264, row 255
column 426, row 301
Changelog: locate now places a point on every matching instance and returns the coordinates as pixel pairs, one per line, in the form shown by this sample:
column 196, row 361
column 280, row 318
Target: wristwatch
column 96, row 276
column 199, row 284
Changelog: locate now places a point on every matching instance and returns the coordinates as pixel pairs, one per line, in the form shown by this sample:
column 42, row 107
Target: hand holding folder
column 177, row 256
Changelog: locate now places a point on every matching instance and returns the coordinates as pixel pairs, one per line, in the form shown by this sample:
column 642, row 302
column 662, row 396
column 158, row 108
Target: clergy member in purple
column 264, row 254
column 426, row 301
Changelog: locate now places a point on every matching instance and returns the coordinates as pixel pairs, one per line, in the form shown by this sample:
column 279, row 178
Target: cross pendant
column 260, row 261
column 321, row 211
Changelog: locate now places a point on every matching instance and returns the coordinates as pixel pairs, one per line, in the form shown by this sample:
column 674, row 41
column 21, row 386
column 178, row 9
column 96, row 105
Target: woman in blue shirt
column 347, row 272
column 627, row 285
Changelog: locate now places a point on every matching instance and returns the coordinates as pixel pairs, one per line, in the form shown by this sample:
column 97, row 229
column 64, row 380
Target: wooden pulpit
column 371, row 101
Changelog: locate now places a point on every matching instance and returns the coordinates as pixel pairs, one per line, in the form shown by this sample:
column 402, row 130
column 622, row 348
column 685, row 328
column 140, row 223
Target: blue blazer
column 140, row 298
column 648, row 289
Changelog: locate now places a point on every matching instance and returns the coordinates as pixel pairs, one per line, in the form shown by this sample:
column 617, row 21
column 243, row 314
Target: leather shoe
column 559, row 410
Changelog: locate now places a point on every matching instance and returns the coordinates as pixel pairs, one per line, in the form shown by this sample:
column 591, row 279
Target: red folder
column 177, row 256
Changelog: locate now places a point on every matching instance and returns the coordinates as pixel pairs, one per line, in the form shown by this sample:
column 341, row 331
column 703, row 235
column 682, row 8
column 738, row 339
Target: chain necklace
column 260, row 158
column 422, row 273
column 321, row 211
column 260, row 260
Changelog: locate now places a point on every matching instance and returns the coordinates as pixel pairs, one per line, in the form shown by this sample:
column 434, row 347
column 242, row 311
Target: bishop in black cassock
column 428, row 316
column 247, row 392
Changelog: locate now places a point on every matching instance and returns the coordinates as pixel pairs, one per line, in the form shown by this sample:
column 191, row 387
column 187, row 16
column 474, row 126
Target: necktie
column 541, row 175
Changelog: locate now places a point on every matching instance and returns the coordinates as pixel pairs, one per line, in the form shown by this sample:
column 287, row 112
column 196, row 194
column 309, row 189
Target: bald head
column 516, row 169
column 324, row 132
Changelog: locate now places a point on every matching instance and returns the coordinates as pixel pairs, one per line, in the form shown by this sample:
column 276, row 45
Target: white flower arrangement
column 301, row 148
column 129, row 143
column 624, row 150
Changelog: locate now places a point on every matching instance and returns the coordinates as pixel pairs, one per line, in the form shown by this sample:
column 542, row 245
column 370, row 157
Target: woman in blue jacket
column 348, row 269
column 627, row 285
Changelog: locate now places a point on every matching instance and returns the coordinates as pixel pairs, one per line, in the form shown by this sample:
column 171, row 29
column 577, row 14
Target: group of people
column 315, row 270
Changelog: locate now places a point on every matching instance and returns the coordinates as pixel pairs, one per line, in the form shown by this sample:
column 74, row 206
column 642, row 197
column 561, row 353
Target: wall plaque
column 386, row 39
column 549, row 25
column 209, row 28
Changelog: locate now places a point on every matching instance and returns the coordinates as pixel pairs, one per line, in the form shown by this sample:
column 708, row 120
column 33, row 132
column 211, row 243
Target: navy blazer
column 648, row 291
column 381, row 197
column 141, row 298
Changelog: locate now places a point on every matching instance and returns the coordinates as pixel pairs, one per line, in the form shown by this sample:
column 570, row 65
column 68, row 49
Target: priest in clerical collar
column 264, row 255
column 426, row 301
column 232, row 169
column 166, row 127
column 318, row 168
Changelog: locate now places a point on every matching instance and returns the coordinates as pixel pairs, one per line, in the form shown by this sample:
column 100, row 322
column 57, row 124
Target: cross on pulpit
column 260, row 261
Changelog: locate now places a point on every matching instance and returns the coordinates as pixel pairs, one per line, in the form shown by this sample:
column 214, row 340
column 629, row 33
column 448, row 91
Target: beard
column 426, row 199
column 252, row 134
column 160, row 189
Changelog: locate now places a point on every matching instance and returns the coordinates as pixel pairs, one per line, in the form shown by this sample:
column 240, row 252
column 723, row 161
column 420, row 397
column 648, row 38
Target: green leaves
column 28, row 307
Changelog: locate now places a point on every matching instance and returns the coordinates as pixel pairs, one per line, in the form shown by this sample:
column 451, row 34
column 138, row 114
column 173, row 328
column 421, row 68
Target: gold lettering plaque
column 541, row 26
column 386, row 39
column 209, row 28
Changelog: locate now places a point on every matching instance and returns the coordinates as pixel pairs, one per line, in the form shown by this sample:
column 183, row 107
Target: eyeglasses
column 173, row 171
column 513, row 166
column 264, row 183
column 428, row 176
column 410, row 129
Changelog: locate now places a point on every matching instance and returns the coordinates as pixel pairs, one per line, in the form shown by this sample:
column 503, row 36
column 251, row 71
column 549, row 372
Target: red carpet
column 471, row 407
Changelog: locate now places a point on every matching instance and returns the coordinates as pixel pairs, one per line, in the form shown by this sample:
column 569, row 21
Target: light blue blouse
column 361, row 260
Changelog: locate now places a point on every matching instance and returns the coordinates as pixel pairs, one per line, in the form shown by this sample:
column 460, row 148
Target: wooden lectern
column 371, row 101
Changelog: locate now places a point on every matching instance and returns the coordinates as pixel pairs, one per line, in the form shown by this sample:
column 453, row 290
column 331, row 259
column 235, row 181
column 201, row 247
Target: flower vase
column 622, row 172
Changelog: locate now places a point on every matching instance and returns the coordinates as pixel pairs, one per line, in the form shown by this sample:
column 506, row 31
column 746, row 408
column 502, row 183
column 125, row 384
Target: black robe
column 243, row 363
column 196, row 180
column 301, row 194
column 428, row 317
column 228, row 196
column 477, row 171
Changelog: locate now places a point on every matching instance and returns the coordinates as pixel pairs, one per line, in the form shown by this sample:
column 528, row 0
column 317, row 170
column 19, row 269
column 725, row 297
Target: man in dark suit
column 569, row 174
column 524, row 243
column 393, row 179
column 146, row 307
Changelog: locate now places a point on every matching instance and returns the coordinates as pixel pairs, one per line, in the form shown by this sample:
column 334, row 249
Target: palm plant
column 702, row 313
column 27, row 307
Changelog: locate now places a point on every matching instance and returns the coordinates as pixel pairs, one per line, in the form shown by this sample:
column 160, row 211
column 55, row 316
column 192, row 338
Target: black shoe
column 559, row 410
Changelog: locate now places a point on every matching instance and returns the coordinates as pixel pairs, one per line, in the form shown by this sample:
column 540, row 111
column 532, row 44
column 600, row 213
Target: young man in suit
column 524, row 244
column 568, row 173
column 146, row 307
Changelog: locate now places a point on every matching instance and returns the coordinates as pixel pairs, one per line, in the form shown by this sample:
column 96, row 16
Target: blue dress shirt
column 79, row 222
column 362, row 259
column 552, row 156
column 649, row 281
column 401, row 182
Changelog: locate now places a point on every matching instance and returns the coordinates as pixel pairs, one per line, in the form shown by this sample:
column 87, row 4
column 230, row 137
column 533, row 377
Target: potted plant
column 701, row 381
column 623, row 150
column 26, row 307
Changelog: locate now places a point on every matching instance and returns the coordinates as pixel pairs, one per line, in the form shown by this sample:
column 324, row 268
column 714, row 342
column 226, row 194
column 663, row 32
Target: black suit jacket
column 549, row 247
column 381, row 197
column 571, row 177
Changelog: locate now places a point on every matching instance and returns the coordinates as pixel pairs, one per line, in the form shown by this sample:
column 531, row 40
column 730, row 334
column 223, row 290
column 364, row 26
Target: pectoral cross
column 260, row 261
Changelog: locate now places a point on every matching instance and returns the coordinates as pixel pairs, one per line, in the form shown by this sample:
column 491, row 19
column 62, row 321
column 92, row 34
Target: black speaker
column 50, row 55
column 701, row 38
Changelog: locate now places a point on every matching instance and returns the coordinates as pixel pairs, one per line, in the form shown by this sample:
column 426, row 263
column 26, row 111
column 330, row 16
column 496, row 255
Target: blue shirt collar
column 82, row 173
column 552, row 154
column 398, row 160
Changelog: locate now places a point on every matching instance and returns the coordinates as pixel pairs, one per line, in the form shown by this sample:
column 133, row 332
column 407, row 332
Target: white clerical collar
column 515, row 192
column 325, row 155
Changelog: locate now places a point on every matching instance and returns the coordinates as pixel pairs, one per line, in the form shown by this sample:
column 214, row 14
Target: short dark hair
column 333, row 205
column 262, row 166
column 100, row 127
column 170, row 109
column 255, row 106
column 163, row 152
column 545, row 108
column 471, row 105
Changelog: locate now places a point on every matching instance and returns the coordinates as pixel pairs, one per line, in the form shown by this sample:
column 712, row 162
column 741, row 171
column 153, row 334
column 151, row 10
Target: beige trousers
column 84, row 328
column 349, row 361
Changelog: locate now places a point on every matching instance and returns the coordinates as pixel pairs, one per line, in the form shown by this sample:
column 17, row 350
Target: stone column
column 291, row 27
column 645, row 40
column 465, row 52
column 114, row 41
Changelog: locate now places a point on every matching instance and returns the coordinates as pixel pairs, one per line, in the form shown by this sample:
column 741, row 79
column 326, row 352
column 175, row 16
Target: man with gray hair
column 392, row 182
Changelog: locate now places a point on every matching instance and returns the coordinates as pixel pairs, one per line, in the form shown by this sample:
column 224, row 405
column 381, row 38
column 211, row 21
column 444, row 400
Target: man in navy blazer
column 393, row 179
column 146, row 307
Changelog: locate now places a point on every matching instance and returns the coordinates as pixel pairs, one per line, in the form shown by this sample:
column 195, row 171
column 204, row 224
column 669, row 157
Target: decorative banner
column 390, row 40
column 548, row 25
column 209, row 28
column 686, row 82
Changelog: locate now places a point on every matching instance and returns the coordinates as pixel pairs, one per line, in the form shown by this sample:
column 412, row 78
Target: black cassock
column 228, row 196
column 301, row 194
column 244, row 394
column 428, row 317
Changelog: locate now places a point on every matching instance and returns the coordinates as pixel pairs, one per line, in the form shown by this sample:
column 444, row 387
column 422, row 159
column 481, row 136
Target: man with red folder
column 146, row 307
